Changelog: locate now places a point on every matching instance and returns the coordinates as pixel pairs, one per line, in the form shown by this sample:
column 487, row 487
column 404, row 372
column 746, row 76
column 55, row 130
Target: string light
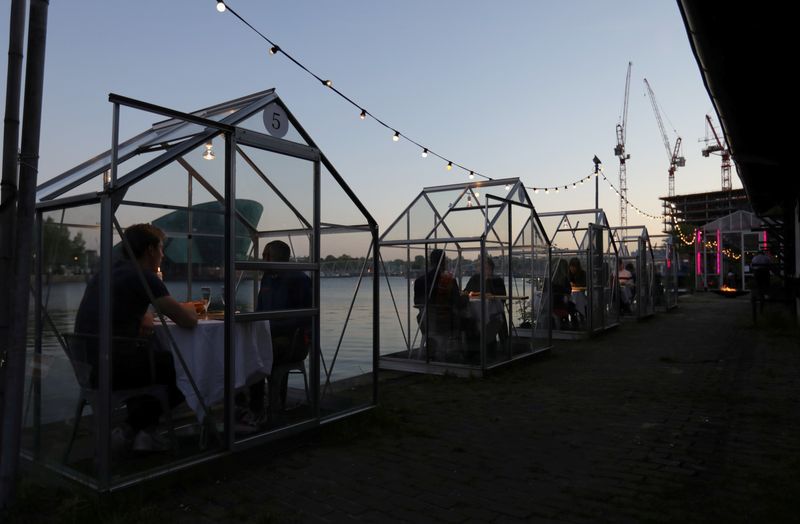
column 274, row 49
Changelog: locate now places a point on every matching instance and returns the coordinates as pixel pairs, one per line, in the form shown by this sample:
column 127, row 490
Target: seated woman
column 493, row 285
column 561, row 291
column 438, row 302
column 577, row 280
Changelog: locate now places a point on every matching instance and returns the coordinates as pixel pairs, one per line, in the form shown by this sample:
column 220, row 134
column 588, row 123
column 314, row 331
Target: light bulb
column 220, row 6
column 363, row 114
column 274, row 50
column 546, row 190
column 471, row 175
column 477, row 195
column 449, row 166
column 508, row 187
column 209, row 154
column 396, row 136
column 536, row 190
column 328, row 83
column 424, row 153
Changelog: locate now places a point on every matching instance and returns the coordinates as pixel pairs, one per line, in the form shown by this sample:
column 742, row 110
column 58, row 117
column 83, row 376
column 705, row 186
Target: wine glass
column 205, row 293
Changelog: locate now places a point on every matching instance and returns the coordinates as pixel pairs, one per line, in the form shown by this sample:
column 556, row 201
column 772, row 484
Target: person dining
column 577, row 280
column 133, row 282
column 438, row 300
column 280, row 290
column 496, row 325
column 577, row 275
column 626, row 287
column 561, row 291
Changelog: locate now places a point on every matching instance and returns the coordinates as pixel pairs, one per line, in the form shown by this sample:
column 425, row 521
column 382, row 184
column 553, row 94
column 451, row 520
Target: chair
column 281, row 370
column 82, row 351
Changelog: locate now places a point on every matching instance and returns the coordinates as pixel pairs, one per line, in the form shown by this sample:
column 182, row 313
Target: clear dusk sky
column 514, row 88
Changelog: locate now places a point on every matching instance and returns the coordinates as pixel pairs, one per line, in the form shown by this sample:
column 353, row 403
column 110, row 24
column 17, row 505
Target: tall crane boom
column 619, row 151
column 673, row 154
column 723, row 151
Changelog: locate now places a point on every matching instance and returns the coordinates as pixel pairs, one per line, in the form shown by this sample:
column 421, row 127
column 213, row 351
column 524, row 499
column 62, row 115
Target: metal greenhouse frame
column 585, row 235
column 270, row 181
column 443, row 326
column 635, row 248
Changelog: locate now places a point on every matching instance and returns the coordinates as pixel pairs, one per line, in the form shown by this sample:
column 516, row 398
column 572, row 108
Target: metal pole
column 29, row 164
column 596, row 183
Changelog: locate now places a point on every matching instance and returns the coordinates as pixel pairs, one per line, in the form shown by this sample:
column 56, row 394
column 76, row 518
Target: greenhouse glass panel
column 185, row 306
column 471, row 295
column 637, row 295
column 583, row 273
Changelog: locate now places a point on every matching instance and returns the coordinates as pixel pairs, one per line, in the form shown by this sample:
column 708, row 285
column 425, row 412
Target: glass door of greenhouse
column 277, row 281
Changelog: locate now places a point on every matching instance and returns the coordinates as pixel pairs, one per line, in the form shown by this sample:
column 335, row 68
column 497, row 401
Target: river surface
column 346, row 333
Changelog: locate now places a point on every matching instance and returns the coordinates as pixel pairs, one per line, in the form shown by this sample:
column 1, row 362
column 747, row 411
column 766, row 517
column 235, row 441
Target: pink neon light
column 719, row 252
column 698, row 249
column 765, row 240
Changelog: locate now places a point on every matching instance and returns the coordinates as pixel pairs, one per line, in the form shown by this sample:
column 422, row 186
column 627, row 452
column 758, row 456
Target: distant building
column 698, row 209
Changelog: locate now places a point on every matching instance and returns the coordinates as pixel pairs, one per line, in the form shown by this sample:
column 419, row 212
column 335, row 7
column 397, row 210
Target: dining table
column 203, row 350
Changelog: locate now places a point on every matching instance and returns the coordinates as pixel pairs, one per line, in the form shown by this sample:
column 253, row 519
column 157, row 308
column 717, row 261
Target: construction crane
column 619, row 151
column 716, row 147
column 674, row 154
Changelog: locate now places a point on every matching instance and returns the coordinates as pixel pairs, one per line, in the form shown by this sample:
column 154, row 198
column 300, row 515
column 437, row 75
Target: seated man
column 285, row 289
column 129, row 318
column 626, row 287
column 437, row 297
column 496, row 323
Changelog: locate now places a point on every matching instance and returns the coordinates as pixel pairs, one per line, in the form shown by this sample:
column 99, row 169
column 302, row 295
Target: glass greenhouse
column 637, row 298
column 583, row 272
column 466, row 268
column 665, row 278
column 724, row 249
column 246, row 201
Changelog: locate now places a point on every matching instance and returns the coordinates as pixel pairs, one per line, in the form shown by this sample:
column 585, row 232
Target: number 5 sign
column 275, row 120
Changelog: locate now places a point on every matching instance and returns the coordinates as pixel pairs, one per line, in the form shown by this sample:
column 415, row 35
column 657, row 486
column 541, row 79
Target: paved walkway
column 690, row 416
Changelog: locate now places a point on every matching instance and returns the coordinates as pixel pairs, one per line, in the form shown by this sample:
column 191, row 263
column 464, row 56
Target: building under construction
column 697, row 209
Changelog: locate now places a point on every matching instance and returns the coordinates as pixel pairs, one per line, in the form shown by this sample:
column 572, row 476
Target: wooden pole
column 26, row 203
column 8, row 192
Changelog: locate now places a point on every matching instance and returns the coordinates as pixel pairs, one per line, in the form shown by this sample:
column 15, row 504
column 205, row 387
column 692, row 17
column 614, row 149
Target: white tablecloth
column 203, row 349
column 579, row 299
column 493, row 308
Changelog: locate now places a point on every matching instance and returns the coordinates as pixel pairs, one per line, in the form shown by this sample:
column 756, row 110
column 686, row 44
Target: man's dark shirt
column 493, row 285
column 285, row 290
column 129, row 300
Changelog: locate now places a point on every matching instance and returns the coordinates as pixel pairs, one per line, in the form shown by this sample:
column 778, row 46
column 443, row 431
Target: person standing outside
column 130, row 318
column 760, row 266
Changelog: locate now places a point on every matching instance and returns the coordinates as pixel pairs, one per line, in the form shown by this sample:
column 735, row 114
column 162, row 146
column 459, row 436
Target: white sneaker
column 150, row 440
column 120, row 440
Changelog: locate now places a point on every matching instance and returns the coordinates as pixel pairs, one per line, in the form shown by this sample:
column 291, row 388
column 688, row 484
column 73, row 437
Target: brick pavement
column 688, row 416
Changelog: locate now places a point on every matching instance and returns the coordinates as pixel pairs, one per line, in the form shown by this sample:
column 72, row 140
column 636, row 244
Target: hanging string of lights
column 426, row 151
column 635, row 208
